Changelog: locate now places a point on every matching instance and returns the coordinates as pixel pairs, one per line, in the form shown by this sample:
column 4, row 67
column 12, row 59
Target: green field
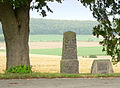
column 58, row 38
column 82, row 51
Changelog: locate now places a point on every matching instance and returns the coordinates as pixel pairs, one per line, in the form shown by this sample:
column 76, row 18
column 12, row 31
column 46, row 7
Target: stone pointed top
column 69, row 32
column 69, row 35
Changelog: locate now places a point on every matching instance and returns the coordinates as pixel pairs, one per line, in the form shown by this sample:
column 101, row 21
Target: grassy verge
column 54, row 75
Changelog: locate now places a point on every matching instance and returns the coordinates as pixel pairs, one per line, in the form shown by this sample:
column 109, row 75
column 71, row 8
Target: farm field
column 51, row 64
column 52, row 45
column 82, row 51
column 45, row 55
column 58, row 38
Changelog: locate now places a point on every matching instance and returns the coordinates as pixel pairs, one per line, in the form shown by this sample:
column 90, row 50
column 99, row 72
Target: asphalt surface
column 62, row 83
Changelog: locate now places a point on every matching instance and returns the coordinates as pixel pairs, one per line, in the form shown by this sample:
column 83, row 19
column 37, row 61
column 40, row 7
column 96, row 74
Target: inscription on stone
column 103, row 66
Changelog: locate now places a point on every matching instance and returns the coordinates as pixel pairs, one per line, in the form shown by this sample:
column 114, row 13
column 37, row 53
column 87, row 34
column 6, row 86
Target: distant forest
column 45, row 26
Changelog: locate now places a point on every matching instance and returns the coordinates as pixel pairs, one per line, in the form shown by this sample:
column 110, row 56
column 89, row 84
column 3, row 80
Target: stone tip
column 69, row 32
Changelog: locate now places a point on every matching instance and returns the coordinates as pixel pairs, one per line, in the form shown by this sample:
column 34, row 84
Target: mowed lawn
column 82, row 51
column 59, row 38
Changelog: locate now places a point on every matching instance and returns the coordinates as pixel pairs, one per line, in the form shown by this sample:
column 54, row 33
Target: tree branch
column 6, row 10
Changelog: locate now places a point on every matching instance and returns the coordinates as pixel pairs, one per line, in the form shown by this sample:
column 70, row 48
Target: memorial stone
column 69, row 62
column 102, row 67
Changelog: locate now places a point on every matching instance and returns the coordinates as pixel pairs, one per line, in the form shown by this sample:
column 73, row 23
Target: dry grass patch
column 45, row 63
column 51, row 64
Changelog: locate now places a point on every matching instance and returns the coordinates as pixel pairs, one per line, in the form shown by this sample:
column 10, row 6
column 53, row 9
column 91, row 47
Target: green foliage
column 92, row 56
column 43, row 26
column 84, row 56
column 20, row 69
column 108, row 28
column 40, row 5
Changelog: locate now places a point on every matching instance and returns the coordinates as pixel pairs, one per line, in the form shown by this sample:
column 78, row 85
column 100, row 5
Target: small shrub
column 92, row 56
column 84, row 56
column 20, row 69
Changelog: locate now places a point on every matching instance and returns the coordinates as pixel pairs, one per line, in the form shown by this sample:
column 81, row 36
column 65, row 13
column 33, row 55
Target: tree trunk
column 15, row 25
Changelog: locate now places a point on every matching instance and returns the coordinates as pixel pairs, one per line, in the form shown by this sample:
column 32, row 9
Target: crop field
column 52, row 45
column 82, row 51
column 46, row 51
column 59, row 38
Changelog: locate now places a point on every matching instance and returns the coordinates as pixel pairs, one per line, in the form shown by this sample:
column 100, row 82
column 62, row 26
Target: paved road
column 61, row 83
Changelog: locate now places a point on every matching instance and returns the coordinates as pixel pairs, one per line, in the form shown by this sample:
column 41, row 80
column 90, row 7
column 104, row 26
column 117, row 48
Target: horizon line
column 62, row 19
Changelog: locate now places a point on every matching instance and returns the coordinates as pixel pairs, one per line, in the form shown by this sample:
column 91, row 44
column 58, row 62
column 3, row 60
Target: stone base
column 69, row 66
column 102, row 67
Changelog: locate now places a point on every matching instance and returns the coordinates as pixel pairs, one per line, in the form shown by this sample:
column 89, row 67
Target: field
column 52, row 45
column 46, row 51
column 58, row 38
column 82, row 51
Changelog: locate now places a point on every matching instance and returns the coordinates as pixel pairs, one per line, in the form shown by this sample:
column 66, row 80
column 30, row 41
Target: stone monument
column 69, row 62
column 102, row 67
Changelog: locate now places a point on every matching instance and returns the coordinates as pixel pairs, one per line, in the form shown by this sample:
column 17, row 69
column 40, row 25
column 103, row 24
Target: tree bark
column 15, row 25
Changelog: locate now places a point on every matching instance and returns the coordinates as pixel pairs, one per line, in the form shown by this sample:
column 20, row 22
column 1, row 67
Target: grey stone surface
column 69, row 66
column 69, row 62
column 69, row 45
column 103, row 66
column 61, row 83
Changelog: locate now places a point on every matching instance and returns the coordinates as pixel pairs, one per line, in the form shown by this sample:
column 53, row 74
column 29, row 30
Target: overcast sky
column 69, row 9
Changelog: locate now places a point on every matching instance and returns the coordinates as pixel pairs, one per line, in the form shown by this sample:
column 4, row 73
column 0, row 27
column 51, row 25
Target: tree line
column 49, row 26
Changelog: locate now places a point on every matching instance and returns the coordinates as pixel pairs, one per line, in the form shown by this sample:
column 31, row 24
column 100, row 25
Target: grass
column 82, row 51
column 54, row 75
column 58, row 38
column 2, row 50
column 45, row 38
column 56, row 51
